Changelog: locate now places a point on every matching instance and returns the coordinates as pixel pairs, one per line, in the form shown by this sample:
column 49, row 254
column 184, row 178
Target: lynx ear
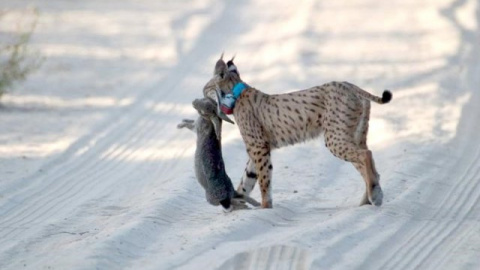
column 220, row 68
column 231, row 66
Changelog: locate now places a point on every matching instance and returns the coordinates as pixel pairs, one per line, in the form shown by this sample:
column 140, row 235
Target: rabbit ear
column 217, row 126
column 222, row 115
column 216, row 96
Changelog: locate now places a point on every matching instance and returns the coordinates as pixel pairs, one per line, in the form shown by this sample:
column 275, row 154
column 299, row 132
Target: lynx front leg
column 249, row 178
column 263, row 166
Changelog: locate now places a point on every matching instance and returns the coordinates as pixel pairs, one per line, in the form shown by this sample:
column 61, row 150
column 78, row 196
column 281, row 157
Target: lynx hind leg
column 187, row 123
column 249, row 178
column 377, row 193
column 361, row 141
column 373, row 192
column 361, row 158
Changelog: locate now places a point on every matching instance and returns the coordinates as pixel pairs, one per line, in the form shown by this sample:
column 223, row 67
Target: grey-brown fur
column 209, row 165
column 339, row 110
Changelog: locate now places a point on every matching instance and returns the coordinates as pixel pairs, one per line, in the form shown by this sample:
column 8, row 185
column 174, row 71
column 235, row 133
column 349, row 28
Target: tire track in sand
column 83, row 175
column 456, row 209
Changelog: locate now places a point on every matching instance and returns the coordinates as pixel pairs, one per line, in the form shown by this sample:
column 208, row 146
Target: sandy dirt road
column 95, row 175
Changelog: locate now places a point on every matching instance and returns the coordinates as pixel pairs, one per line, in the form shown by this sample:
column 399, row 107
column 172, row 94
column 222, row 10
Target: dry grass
column 17, row 61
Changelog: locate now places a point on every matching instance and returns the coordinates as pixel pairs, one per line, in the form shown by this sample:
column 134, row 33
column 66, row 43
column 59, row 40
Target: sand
column 94, row 173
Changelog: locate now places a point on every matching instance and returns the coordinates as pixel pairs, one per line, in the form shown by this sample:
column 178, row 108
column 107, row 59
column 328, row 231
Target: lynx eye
column 222, row 75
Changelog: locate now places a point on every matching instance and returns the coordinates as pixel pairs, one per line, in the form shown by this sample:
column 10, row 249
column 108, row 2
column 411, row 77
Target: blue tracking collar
column 238, row 89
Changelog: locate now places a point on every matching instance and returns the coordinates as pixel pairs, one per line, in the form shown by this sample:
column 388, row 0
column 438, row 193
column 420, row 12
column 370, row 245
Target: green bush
column 16, row 60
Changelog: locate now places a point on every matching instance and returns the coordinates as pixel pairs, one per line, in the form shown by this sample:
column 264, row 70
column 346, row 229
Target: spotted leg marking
column 263, row 165
column 249, row 178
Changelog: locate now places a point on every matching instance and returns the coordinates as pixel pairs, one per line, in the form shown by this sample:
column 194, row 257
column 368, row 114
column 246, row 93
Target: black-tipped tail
column 386, row 96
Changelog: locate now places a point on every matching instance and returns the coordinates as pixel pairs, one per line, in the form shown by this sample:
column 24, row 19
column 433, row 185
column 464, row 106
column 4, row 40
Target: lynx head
column 225, row 76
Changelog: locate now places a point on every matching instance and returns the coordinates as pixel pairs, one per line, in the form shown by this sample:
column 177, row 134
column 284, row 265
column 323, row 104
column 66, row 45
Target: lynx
column 338, row 110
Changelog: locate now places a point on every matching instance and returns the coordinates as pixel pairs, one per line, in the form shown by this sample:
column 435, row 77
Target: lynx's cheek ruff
column 227, row 102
